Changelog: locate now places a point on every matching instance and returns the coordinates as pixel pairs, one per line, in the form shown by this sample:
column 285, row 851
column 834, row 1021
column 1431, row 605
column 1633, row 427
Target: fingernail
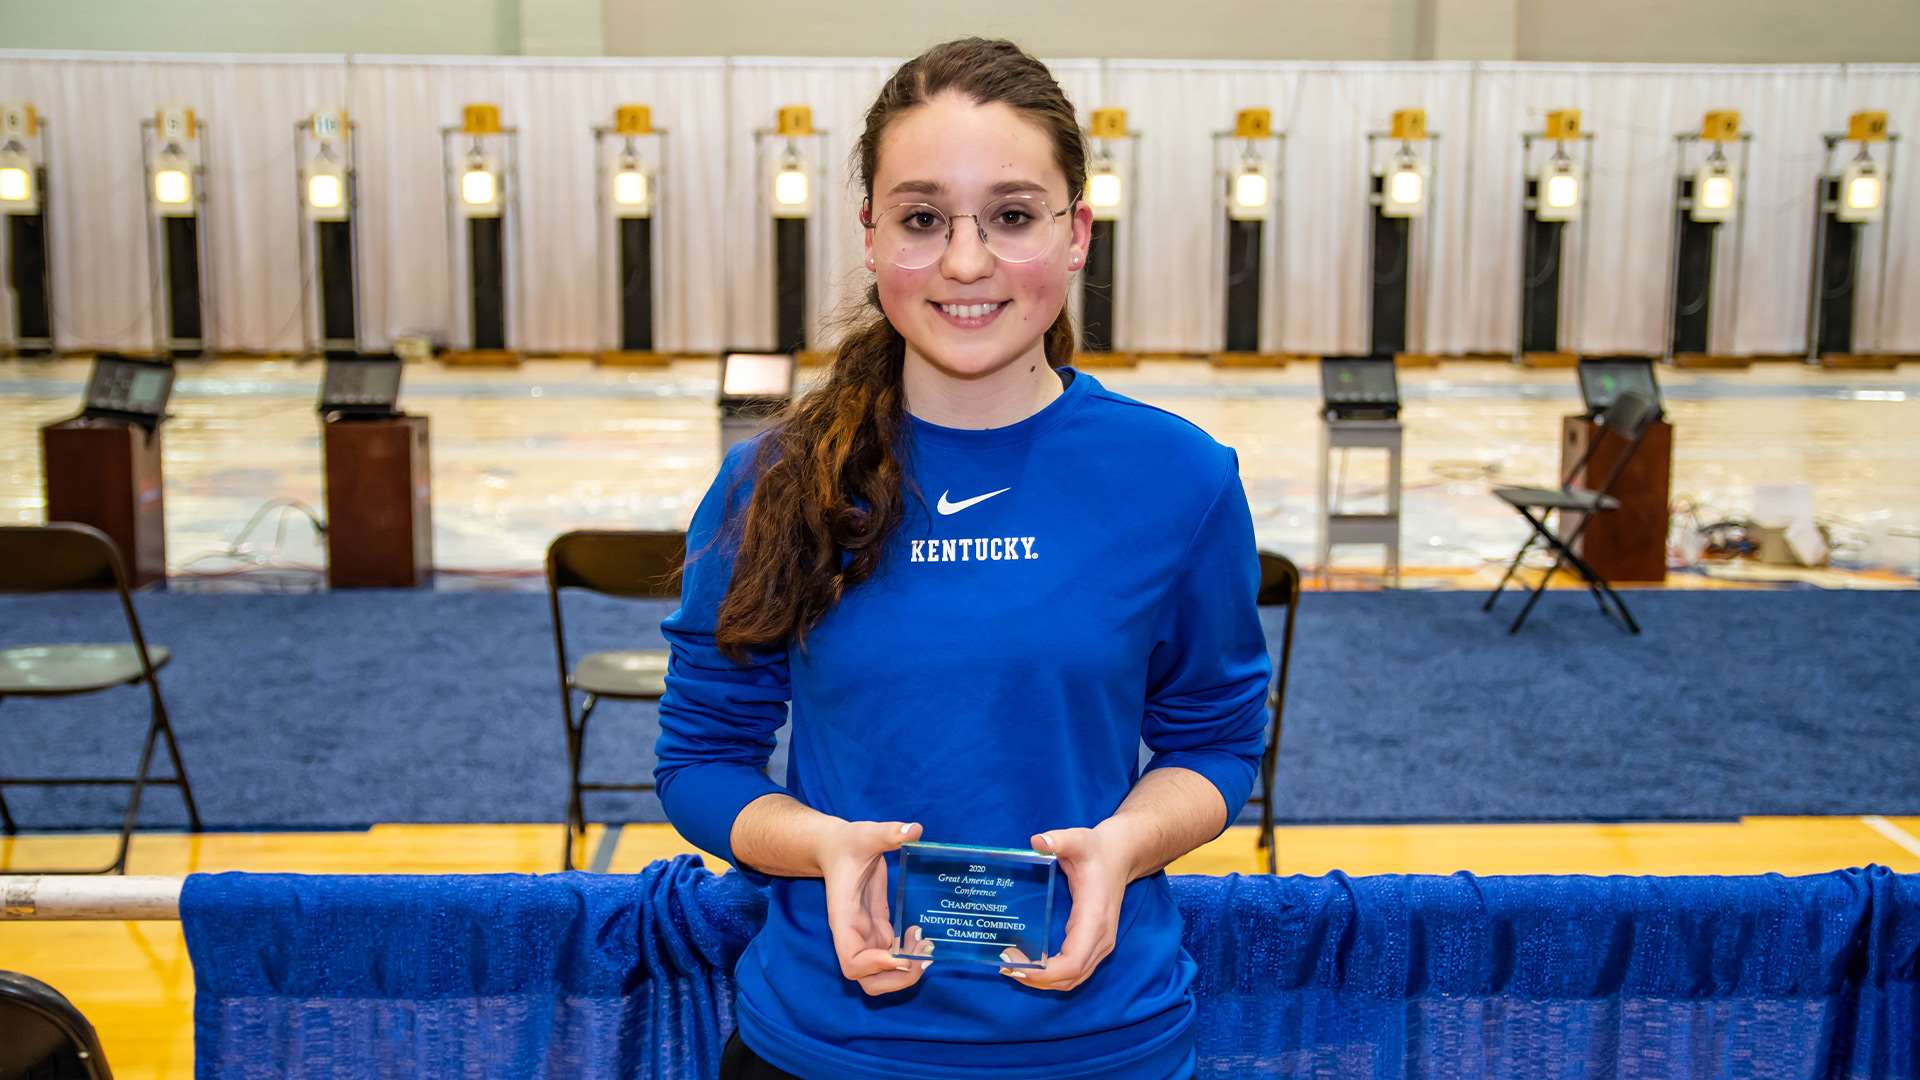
column 1019, row 974
column 905, row 829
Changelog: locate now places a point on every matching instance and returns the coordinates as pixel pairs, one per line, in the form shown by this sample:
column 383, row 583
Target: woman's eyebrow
column 935, row 187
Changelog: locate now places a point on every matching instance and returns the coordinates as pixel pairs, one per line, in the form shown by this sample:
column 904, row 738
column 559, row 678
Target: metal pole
column 1739, row 247
column 105, row 898
column 656, row 238
column 157, row 315
column 352, row 195
column 311, row 332
column 1672, row 304
column 449, row 193
column 1886, row 237
column 1424, row 231
column 1574, row 340
column 1817, row 284
column 1219, row 280
column 203, row 246
column 1123, row 245
column 605, row 323
column 513, row 336
column 818, row 281
column 1276, row 225
column 1524, row 262
column 1373, row 202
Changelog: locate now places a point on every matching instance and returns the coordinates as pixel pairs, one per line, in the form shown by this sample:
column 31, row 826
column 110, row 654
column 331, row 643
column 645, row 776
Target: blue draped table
column 579, row 975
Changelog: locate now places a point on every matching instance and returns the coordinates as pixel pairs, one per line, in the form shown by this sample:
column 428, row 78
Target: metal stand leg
column 1326, row 508
column 1533, row 598
column 179, row 765
column 1508, row 576
column 119, row 864
column 1563, row 555
column 1393, row 509
column 575, row 827
column 1340, row 527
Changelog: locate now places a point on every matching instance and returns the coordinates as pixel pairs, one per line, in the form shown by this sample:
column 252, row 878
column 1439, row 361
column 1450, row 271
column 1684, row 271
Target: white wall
column 1719, row 31
column 221, row 26
column 1214, row 29
column 1689, row 31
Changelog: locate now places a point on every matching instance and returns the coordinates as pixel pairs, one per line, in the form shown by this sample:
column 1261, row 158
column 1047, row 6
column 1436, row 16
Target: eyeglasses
column 913, row 236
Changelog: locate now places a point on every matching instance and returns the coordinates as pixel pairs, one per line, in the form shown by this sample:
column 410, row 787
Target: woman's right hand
column 853, row 865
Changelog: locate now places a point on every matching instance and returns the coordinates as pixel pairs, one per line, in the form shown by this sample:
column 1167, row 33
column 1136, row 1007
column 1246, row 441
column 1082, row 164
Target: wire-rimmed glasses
column 913, row 236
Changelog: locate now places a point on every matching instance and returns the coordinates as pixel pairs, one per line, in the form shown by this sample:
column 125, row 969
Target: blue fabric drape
column 579, row 975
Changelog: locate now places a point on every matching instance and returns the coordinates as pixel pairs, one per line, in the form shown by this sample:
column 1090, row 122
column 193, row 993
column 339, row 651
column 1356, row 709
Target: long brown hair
column 832, row 467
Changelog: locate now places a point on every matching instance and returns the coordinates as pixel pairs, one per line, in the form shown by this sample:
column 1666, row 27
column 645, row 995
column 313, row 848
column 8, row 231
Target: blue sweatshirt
column 1089, row 585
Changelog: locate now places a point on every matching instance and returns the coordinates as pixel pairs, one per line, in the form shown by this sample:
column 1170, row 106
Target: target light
column 1715, row 192
column 1406, row 186
column 1559, row 190
column 1862, row 190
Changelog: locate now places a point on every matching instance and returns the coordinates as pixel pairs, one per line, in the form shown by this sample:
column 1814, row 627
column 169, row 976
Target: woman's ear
column 866, row 232
column 1082, row 219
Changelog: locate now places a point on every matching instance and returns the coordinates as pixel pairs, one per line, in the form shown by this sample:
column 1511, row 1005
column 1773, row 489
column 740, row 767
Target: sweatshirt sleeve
column 717, row 718
column 1209, row 671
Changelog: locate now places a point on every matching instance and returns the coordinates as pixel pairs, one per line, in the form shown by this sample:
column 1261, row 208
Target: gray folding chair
column 1628, row 418
column 66, row 556
column 629, row 564
column 1279, row 587
column 42, row 1035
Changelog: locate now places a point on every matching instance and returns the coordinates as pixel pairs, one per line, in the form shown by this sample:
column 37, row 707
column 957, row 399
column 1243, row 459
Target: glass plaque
column 973, row 902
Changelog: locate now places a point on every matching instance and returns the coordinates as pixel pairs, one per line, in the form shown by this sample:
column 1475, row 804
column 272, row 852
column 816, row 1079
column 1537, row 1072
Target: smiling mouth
column 970, row 316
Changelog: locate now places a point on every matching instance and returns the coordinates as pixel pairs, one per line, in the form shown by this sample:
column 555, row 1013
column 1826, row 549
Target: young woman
column 979, row 580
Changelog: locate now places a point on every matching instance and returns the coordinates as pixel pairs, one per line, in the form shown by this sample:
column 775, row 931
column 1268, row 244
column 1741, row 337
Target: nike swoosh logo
column 946, row 507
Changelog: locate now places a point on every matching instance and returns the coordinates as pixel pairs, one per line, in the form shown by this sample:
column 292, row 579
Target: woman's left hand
column 1099, row 865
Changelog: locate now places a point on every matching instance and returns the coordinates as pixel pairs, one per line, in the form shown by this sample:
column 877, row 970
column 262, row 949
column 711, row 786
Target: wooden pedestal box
column 379, row 503
column 106, row 474
column 1630, row 543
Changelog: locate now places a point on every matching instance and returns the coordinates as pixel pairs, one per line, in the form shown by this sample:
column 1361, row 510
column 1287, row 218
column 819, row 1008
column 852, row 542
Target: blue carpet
column 340, row 710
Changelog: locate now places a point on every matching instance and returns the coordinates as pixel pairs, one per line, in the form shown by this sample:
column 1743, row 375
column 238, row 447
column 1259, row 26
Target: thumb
column 889, row 835
column 1049, row 843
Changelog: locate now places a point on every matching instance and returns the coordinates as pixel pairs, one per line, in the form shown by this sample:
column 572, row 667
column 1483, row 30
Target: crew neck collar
column 1077, row 384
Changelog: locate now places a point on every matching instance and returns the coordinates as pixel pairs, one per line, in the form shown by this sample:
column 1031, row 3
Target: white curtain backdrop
column 401, row 104
column 715, row 241
column 838, row 93
column 1635, row 114
column 97, row 216
column 1170, row 287
column 1897, row 300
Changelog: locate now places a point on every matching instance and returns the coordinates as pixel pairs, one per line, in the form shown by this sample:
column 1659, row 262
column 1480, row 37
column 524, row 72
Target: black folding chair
column 633, row 565
column 1627, row 419
column 1279, row 587
column 43, row 1037
column 64, row 556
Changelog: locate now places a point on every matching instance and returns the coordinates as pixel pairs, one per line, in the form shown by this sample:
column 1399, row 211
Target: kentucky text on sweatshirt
column 1060, row 590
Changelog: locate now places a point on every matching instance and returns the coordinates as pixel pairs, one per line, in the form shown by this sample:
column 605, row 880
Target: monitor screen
column 362, row 383
column 1604, row 379
column 123, row 385
column 1357, row 382
column 756, row 375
